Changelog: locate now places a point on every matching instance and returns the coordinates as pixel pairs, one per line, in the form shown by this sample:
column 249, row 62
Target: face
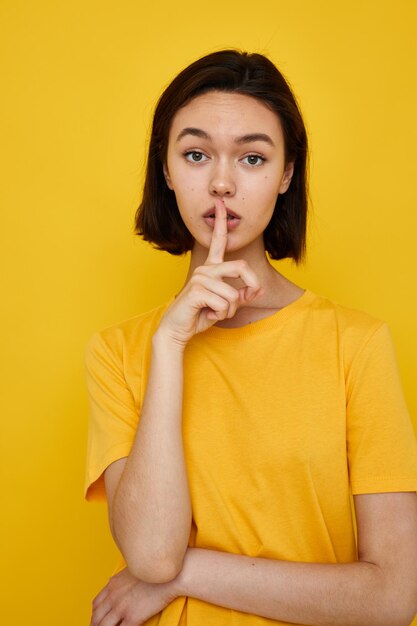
column 230, row 146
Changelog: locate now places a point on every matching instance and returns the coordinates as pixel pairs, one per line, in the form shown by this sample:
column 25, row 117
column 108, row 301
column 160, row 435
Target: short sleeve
column 381, row 444
column 113, row 416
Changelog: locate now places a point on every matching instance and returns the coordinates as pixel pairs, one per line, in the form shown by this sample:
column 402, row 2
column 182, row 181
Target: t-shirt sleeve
column 381, row 443
column 113, row 416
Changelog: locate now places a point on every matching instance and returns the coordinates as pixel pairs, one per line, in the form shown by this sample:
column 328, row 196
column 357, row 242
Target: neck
column 277, row 287
column 253, row 254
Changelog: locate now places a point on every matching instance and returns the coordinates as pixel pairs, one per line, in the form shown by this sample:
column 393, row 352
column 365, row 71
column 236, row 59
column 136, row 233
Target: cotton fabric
column 284, row 419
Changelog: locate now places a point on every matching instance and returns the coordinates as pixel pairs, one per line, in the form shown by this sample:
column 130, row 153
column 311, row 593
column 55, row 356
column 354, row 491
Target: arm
column 380, row 589
column 150, row 511
column 149, row 507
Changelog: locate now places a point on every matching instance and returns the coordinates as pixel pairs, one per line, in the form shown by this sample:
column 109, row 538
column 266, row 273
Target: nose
column 222, row 182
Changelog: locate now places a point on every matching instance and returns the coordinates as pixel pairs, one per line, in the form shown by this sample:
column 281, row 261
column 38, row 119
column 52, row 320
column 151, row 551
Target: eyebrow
column 198, row 132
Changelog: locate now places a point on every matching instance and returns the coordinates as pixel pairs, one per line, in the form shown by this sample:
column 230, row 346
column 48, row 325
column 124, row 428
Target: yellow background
column 79, row 83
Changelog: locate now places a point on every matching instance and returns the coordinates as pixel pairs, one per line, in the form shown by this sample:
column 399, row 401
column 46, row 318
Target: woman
column 271, row 419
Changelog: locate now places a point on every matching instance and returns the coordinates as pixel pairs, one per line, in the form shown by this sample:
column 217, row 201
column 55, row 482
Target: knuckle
column 131, row 620
column 112, row 597
column 195, row 279
column 197, row 289
column 99, row 596
column 124, row 606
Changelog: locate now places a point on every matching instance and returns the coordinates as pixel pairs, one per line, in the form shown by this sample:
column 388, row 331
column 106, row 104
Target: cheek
column 187, row 203
column 185, row 187
column 184, row 177
column 269, row 193
column 262, row 195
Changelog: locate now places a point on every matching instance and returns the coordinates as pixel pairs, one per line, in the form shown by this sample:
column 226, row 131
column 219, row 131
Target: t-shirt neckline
column 259, row 326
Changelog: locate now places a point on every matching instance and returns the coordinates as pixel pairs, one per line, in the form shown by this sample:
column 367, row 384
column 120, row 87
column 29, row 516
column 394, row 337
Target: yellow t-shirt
column 283, row 420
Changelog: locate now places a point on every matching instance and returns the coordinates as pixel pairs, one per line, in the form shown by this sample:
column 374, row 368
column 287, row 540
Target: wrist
column 180, row 585
column 161, row 340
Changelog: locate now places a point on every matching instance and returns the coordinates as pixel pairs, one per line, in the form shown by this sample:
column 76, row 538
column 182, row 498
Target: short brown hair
column 158, row 219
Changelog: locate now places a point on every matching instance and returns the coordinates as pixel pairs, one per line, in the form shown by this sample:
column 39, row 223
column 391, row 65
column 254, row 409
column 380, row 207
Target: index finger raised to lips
column 219, row 238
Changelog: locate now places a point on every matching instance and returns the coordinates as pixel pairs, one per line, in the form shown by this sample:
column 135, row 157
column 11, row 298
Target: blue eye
column 254, row 159
column 196, row 156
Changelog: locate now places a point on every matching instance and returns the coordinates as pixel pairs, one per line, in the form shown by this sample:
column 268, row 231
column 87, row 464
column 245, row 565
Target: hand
column 206, row 298
column 129, row 601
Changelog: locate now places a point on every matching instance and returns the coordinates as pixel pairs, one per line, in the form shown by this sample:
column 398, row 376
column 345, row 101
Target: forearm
column 351, row 594
column 152, row 508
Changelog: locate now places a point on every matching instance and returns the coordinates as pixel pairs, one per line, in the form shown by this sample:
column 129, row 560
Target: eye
column 254, row 159
column 194, row 156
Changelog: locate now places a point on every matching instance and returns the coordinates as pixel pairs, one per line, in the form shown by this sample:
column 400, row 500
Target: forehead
column 227, row 113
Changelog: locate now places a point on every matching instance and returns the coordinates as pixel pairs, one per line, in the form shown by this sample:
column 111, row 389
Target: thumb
column 247, row 294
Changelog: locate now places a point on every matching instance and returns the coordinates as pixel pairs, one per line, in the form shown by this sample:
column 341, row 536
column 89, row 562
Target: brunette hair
column 158, row 219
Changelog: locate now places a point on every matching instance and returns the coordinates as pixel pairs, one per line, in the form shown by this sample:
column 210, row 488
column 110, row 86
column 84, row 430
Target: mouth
column 233, row 219
column 231, row 215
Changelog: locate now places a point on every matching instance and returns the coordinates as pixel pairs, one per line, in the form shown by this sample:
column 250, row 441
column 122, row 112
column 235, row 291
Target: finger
column 222, row 289
column 233, row 269
column 113, row 618
column 100, row 597
column 208, row 300
column 99, row 613
column 247, row 294
column 219, row 237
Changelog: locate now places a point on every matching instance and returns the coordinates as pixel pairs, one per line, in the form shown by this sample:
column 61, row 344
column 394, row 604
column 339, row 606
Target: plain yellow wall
column 79, row 83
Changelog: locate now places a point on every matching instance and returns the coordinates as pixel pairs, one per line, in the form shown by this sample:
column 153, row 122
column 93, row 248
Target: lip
column 231, row 224
column 212, row 211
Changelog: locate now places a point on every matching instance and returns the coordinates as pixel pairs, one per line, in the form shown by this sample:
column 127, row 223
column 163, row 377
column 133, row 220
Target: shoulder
column 350, row 322
column 128, row 337
column 351, row 328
